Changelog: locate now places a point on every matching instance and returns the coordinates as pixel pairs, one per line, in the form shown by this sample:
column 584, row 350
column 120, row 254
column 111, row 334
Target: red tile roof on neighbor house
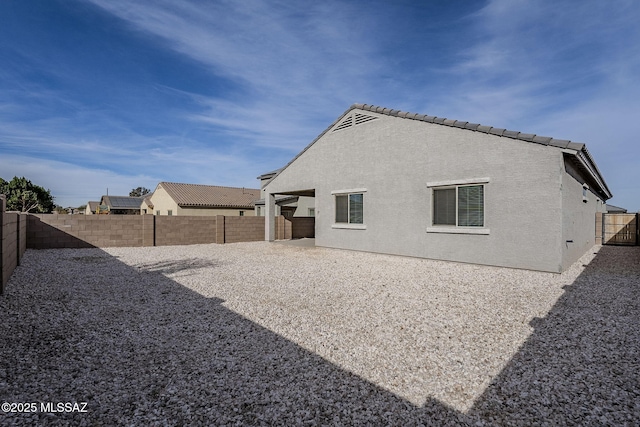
column 210, row 196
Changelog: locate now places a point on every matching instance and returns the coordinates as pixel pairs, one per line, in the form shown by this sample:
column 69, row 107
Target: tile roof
column 544, row 140
column 213, row 196
column 582, row 156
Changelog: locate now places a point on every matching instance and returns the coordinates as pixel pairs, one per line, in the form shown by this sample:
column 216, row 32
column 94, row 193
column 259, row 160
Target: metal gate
column 620, row 229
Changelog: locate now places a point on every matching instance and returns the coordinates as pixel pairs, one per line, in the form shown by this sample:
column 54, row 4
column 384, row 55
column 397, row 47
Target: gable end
column 354, row 119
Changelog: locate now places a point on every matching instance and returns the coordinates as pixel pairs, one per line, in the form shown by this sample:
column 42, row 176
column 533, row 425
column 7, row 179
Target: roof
column 582, row 158
column 147, row 199
column 93, row 205
column 122, row 202
column 269, row 174
column 210, row 196
column 279, row 200
column 616, row 209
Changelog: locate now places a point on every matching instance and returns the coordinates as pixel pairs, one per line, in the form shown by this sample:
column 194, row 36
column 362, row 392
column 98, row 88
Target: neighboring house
column 91, row 208
column 287, row 206
column 408, row 184
column 146, row 207
column 615, row 209
column 171, row 198
column 120, row 205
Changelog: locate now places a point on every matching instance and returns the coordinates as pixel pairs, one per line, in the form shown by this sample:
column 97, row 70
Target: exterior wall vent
column 346, row 123
column 353, row 120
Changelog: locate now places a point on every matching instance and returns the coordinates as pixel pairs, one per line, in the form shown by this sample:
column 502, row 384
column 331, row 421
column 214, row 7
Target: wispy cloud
column 531, row 60
column 218, row 92
column 285, row 63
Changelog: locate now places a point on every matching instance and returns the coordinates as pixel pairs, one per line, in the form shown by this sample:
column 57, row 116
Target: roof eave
column 579, row 150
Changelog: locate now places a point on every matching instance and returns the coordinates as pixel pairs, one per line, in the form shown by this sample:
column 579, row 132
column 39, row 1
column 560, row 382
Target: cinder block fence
column 19, row 231
column 46, row 231
column 13, row 241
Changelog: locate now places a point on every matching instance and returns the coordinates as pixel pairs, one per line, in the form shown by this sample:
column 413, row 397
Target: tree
column 24, row 196
column 139, row 192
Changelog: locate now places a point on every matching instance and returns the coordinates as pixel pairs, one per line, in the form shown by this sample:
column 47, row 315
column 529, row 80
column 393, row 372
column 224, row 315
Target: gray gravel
column 271, row 334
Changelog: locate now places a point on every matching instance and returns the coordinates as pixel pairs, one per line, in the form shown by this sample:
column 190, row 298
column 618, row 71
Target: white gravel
column 272, row 334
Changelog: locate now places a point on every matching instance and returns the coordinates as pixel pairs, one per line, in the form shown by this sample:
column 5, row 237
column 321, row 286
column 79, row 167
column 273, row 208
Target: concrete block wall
column 45, row 231
column 599, row 230
column 243, row 229
column 184, row 230
column 13, row 239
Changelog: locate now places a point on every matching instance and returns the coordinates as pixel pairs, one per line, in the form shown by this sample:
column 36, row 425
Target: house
column 91, row 207
column 170, row 198
column 409, row 184
column 146, row 207
column 119, row 205
column 615, row 209
column 287, row 206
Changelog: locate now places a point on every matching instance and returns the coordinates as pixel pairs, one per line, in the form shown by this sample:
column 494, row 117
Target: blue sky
column 117, row 94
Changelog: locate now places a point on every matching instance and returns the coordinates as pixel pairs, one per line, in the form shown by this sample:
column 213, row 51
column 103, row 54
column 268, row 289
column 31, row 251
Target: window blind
column 471, row 206
column 355, row 209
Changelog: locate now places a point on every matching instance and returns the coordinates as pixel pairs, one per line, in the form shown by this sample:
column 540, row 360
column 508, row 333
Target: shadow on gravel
column 144, row 350
column 581, row 365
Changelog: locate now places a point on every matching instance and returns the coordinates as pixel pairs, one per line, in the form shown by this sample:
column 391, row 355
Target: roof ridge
column 208, row 185
column 475, row 127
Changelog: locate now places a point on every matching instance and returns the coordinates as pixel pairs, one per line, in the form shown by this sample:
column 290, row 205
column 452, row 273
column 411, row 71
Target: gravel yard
column 264, row 334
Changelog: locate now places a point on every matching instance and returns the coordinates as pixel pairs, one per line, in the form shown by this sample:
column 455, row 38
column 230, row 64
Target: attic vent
column 353, row 120
column 363, row 118
column 346, row 123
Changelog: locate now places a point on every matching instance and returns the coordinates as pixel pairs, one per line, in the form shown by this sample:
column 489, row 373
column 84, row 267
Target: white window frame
column 457, row 229
column 347, row 193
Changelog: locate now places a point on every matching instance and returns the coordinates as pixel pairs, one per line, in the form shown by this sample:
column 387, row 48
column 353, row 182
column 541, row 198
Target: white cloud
column 70, row 184
column 289, row 65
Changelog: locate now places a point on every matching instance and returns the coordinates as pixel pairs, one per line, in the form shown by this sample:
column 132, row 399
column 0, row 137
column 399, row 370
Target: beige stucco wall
column 145, row 209
column 394, row 159
column 163, row 202
column 214, row 211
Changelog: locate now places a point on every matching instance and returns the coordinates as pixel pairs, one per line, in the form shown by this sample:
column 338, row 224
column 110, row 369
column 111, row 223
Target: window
column 157, row 212
column 169, row 212
column 458, row 206
column 461, row 206
column 241, row 213
column 312, row 212
column 349, row 208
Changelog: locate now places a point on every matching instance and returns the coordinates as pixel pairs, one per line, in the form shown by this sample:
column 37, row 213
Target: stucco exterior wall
column 145, row 208
column 163, row 202
column 578, row 229
column 394, row 159
column 213, row 212
column 304, row 204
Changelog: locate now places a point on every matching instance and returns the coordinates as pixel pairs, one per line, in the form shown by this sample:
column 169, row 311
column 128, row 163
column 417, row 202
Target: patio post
column 269, row 217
